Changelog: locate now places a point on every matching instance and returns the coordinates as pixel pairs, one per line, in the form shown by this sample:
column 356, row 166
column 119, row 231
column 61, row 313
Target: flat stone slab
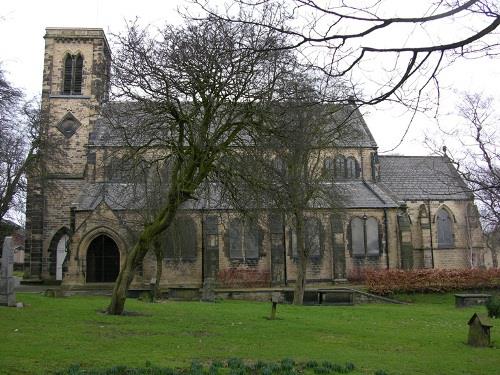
column 471, row 299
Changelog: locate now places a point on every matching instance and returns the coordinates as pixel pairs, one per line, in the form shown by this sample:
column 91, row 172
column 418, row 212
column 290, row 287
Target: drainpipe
column 284, row 250
column 430, row 231
column 202, row 248
column 386, row 238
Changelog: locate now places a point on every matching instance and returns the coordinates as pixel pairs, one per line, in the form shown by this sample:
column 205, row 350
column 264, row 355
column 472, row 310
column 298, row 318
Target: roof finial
column 444, row 150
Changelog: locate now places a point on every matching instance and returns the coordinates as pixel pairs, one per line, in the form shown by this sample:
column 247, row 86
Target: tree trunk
column 136, row 255
column 494, row 258
column 159, row 270
column 300, row 284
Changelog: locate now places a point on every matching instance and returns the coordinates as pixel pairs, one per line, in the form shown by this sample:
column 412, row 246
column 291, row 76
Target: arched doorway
column 61, row 251
column 103, row 260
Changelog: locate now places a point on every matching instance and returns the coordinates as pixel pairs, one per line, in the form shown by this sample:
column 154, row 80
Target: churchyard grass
column 425, row 337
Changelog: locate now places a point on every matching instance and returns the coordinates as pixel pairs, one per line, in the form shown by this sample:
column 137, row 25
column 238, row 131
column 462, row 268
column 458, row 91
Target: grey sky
column 23, row 22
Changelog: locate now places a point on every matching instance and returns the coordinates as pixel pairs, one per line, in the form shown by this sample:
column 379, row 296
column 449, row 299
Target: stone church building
column 402, row 211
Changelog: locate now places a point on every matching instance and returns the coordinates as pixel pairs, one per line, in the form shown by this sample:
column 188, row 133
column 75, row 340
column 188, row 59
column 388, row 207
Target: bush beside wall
column 386, row 282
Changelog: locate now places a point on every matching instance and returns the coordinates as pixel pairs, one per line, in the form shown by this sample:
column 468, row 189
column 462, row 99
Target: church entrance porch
column 103, row 260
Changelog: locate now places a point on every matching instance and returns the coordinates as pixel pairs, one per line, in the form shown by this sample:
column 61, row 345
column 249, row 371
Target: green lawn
column 426, row 337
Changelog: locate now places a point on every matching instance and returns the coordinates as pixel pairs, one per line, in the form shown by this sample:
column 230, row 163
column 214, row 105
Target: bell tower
column 75, row 85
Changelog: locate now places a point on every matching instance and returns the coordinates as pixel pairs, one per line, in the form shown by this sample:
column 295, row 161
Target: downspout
column 284, row 251
column 430, row 232
column 202, row 248
column 386, row 231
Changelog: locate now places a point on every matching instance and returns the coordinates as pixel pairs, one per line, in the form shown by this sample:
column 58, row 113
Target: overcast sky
column 23, row 23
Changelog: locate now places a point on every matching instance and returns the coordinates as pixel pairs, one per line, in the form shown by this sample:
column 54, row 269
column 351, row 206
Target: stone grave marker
column 7, row 294
column 208, row 290
column 479, row 331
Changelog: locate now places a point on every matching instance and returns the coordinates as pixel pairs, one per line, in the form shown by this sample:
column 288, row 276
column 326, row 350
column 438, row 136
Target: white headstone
column 7, row 294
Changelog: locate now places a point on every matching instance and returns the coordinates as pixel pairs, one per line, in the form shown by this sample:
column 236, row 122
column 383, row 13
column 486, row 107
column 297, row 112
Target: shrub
column 287, row 364
column 493, row 307
column 386, row 282
column 235, row 363
column 311, row 364
column 235, row 366
column 146, row 296
column 243, row 277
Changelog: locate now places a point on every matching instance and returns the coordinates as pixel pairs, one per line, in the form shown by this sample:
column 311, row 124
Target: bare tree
column 193, row 88
column 388, row 50
column 477, row 160
column 280, row 168
column 19, row 141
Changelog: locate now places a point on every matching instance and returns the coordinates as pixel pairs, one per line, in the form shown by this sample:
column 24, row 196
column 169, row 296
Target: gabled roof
column 422, row 178
column 361, row 194
column 117, row 196
column 357, row 133
column 120, row 124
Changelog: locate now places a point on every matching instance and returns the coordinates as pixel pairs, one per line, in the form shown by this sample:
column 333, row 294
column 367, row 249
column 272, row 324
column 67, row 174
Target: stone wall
column 468, row 246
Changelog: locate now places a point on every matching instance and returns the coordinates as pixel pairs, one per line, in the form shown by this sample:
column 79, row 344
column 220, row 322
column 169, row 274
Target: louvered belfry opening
column 103, row 260
column 77, row 82
column 73, row 75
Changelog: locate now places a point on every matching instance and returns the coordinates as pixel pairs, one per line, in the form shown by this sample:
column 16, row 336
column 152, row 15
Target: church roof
column 363, row 194
column 118, row 196
column 120, row 124
column 129, row 196
column 422, row 177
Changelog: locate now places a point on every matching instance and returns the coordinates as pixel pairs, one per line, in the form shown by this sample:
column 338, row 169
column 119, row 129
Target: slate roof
column 118, row 196
column 120, row 124
column 361, row 194
column 123, row 196
column 356, row 133
column 422, row 177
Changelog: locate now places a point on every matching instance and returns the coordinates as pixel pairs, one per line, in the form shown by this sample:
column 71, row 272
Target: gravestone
column 7, row 294
column 479, row 331
column 208, row 290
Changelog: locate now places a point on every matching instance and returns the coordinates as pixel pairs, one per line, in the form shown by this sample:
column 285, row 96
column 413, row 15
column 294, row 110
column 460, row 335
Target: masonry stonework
column 76, row 219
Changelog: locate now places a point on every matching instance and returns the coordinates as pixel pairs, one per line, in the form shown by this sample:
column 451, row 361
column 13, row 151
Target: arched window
column 279, row 166
column 180, row 239
column 372, row 240
column 77, row 81
column 340, row 167
column 68, row 74
column 365, row 237
column 357, row 237
column 352, row 170
column 313, row 237
column 328, row 168
column 73, row 75
column 243, row 239
column 444, row 229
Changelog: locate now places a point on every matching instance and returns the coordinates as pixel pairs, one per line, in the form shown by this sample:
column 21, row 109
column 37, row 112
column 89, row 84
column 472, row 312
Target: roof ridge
column 411, row 156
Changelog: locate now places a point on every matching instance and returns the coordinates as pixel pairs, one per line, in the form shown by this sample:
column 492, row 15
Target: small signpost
column 275, row 299
column 7, row 294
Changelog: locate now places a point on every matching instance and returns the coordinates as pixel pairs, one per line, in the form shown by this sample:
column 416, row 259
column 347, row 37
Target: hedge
column 386, row 282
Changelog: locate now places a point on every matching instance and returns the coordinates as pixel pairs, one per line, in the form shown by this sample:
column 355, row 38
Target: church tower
column 75, row 84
